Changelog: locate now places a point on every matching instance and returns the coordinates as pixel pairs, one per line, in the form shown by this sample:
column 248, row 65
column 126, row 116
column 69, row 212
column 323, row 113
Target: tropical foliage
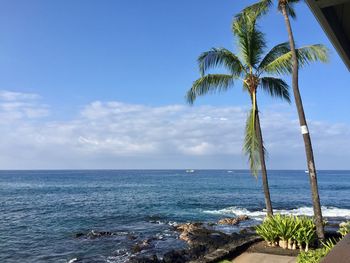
column 253, row 69
column 257, row 71
column 287, row 231
column 344, row 228
column 286, row 8
column 315, row 256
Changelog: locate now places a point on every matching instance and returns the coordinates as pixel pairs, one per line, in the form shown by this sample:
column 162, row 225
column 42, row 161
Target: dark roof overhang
column 334, row 17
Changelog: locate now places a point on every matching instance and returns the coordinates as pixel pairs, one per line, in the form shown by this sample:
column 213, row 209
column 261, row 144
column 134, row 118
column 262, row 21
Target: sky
column 90, row 84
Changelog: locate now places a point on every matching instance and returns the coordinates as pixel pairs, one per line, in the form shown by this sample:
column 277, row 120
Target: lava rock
column 144, row 244
column 233, row 220
column 79, row 235
column 94, row 234
column 175, row 257
column 197, row 234
column 150, row 259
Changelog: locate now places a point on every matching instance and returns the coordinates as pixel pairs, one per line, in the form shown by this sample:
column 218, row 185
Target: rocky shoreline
column 205, row 243
column 202, row 242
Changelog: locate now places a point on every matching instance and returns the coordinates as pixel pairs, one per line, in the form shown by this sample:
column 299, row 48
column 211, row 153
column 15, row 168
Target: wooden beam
column 327, row 3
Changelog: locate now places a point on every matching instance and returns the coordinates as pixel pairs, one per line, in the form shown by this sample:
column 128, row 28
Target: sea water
column 41, row 212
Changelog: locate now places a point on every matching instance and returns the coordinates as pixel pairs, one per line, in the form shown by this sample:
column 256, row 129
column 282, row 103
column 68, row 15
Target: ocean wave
column 121, row 256
column 307, row 211
column 164, row 222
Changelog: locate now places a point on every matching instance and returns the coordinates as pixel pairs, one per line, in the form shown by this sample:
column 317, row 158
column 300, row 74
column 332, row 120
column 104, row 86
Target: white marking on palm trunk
column 304, row 129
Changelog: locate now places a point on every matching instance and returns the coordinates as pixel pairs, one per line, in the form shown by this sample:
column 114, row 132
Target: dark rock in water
column 175, row 257
column 188, row 226
column 142, row 245
column 94, row 234
column 196, row 234
column 150, row 259
column 243, row 231
column 136, row 249
column 131, row 237
column 233, row 221
column 247, row 230
column 197, row 251
column 202, row 241
column 79, row 235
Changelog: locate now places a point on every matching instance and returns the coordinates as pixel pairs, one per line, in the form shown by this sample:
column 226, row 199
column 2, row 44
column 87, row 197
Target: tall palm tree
column 286, row 7
column 256, row 72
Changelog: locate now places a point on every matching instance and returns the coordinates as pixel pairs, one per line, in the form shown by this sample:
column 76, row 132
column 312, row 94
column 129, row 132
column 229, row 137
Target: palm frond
column 250, row 40
column 306, row 55
column 275, row 87
column 289, row 8
column 251, row 144
column 217, row 57
column 258, row 9
column 291, row 11
column 274, row 53
column 209, row 84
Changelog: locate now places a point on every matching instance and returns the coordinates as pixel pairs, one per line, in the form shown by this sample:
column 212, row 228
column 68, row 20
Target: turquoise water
column 42, row 211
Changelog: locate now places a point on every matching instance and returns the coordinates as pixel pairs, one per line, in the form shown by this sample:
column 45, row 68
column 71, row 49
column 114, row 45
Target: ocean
column 41, row 212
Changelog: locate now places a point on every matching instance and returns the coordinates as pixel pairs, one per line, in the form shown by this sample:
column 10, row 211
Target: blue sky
column 59, row 59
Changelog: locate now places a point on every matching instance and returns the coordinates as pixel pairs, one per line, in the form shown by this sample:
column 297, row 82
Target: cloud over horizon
column 117, row 135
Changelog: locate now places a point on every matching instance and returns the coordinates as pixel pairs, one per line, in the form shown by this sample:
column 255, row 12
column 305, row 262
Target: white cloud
column 16, row 96
column 15, row 106
column 120, row 135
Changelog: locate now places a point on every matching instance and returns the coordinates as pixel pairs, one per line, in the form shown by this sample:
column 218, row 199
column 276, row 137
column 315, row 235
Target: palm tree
column 256, row 72
column 286, row 7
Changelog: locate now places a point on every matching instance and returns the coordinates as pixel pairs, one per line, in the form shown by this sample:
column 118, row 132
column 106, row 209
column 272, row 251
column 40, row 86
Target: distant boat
column 190, row 171
column 306, row 171
column 230, row 171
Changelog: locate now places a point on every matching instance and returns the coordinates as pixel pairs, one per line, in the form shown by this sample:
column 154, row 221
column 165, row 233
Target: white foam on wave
column 72, row 260
column 307, row 211
column 236, row 211
column 326, row 211
column 122, row 256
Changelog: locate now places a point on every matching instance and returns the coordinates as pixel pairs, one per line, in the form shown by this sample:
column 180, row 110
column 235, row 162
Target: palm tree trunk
column 304, row 130
column 265, row 181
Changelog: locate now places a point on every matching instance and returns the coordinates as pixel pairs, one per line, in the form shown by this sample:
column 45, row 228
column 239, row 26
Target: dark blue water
column 42, row 211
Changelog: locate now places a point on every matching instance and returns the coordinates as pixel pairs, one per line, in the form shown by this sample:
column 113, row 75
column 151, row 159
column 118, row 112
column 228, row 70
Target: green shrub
column 312, row 256
column 305, row 233
column 267, row 231
column 344, row 228
column 287, row 231
column 315, row 256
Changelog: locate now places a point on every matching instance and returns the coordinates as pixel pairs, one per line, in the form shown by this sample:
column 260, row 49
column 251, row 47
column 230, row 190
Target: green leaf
column 251, row 144
column 273, row 54
column 260, row 8
column 305, row 55
column 217, row 57
column 289, row 8
column 209, row 84
column 251, row 41
column 275, row 87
